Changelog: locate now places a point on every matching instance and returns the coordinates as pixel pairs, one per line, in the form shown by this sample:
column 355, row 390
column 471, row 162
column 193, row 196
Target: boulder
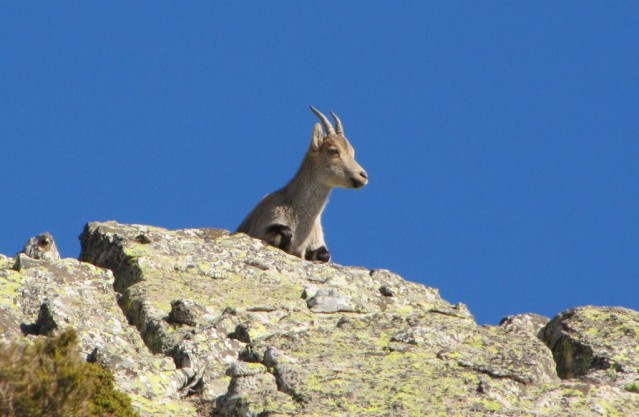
column 596, row 345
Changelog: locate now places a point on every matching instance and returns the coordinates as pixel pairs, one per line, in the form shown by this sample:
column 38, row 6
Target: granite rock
column 201, row 322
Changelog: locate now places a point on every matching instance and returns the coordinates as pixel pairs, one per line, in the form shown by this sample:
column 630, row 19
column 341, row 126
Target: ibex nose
column 362, row 180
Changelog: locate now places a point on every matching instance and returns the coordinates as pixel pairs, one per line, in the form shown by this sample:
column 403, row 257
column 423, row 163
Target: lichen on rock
column 596, row 344
column 201, row 316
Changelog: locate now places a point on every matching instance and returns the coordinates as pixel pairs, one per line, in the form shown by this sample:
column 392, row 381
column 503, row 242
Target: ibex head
column 334, row 156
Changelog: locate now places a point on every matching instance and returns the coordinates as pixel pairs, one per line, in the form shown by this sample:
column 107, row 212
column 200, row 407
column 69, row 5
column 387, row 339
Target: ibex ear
column 318, row 137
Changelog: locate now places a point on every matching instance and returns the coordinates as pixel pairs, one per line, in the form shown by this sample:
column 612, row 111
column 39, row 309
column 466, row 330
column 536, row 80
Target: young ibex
column 290, row 217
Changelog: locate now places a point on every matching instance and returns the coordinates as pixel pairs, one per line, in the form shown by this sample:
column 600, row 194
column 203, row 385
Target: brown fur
column 328, row 163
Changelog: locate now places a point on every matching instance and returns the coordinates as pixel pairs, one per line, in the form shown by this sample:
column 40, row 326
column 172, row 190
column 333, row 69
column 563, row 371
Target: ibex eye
column 333, row 151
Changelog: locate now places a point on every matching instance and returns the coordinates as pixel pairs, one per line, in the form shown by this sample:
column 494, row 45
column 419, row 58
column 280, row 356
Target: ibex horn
column 327, row 125
column 338, row 124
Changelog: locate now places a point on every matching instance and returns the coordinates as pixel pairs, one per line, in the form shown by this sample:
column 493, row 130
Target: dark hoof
column 320, row 254
column 323, row 254
column 279, row 236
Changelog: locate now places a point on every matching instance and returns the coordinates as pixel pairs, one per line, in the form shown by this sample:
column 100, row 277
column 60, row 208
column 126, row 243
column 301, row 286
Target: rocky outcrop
column 597, row 345
column 203, row 322
column 41, row 296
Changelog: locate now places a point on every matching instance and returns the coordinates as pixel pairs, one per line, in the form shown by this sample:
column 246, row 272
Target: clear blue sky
column 501, row 138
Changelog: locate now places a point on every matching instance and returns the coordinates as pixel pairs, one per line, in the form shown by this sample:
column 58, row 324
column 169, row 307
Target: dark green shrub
column 632, row 387
column 106, row 400
column 48, row 378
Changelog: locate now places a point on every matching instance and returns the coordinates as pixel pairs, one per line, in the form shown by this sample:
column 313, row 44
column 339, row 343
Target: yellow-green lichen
column 610, row 410
column 153, row 408
column 10, row 284
column 490, row 405
column 569, row 392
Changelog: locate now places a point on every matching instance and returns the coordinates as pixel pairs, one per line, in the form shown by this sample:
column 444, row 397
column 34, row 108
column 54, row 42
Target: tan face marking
column 340, row 167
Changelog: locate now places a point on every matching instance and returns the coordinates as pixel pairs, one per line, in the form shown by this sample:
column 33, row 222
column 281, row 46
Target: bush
column 106, row 400
column 632, row 387
column 48, row 378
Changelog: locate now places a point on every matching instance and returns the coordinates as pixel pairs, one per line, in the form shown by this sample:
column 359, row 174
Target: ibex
column 290, row 218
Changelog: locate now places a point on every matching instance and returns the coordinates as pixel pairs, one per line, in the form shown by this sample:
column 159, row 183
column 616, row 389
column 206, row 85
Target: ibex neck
column 306, row 191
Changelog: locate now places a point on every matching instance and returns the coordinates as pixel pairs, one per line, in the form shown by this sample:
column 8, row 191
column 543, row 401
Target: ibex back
column 290, row 218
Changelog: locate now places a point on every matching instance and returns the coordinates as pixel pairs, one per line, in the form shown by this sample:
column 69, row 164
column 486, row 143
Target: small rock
column 460, row 310
column 482, row 387
column 412, row 336
column 386, row 291
column 182, row 312
column 241, row 333
column 239, row 369
column 343, row 321
column 266, row 309
column 247, row 380
column 328, row 300
column 274, row 358
column 463, row 309
column 42, row 247
column 308, row 292
column 230, row 311
column 528, row 322
column 143, row 239
column 256, row 263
